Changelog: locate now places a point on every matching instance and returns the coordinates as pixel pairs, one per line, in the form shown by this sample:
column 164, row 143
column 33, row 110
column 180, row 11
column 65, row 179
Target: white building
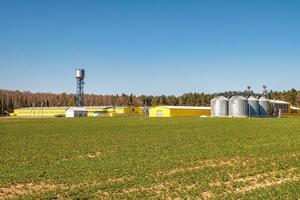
column 76, row 112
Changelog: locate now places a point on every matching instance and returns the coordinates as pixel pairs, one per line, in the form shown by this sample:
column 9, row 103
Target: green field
column 143, row 158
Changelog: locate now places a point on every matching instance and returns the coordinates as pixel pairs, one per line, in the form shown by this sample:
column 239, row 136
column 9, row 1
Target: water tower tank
column 253, row 106
column 264, row 107
column 79, row 73
column 219, row 107
column 238, row 107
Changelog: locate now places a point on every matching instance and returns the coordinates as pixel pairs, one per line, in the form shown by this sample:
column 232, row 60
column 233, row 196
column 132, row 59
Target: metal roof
column 187, row 107
column 295, row 108
column 263, row 99
column 43, row 108
column 220, row 98
column 77, row 108
column 93, row 107
column 251, row 98
column 279, row 102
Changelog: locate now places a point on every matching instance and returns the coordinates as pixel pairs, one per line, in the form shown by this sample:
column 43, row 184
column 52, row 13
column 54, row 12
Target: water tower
column 79, row 74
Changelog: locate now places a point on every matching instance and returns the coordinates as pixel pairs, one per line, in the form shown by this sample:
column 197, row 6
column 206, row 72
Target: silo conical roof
column 252, row 98
column 220, row 98
column 263, row 98
column 239, row 97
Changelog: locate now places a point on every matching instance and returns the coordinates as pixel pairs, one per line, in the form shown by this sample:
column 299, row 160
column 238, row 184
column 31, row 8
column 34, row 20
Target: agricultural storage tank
column 230, row 108
column 253, row 106
column 238, row 107
column 264, row 107
column 219, row 107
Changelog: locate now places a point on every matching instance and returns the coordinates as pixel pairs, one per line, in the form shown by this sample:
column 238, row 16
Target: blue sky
column 150, row 47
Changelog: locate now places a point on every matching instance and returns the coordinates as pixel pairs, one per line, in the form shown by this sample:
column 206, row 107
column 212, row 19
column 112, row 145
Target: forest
column 10, row 100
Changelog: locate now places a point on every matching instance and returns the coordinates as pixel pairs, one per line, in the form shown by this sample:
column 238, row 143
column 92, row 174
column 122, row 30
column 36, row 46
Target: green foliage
column 146, row 158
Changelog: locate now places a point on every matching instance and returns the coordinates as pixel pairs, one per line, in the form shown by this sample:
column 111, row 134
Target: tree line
column 10, row 100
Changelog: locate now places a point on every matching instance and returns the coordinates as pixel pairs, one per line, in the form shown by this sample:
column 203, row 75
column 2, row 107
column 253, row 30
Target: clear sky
column 150, row 47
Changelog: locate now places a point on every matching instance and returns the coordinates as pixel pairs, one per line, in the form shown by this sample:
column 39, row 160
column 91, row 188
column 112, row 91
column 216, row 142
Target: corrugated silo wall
column 253, row 108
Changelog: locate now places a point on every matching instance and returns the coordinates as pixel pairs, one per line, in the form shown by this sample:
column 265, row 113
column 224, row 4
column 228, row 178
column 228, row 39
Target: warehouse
column 40, row 112
column 125, row 111
column 91, row 111
column 179, row 111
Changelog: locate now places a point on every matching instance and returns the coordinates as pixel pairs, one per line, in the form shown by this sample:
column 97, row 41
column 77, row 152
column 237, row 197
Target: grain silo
column 253, row 106
column 219, row 107
column 264, row 107
column 238, row 107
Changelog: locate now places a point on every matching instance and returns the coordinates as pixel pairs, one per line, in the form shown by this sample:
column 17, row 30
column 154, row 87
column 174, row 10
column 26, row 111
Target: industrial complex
column 234, row 106
column 239, row 106
column 89, row 111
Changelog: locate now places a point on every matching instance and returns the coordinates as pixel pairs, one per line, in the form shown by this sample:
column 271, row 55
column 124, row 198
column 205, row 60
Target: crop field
column 149, row 158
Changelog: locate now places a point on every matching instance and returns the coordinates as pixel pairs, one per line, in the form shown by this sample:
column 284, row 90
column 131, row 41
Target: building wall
column 123, row 111
column 92, row 112
column 70, row 113
column 76, row 113
column 139, row 110
column 189, row 112
column 159, row 111
column 39, row 112
column 171, row 112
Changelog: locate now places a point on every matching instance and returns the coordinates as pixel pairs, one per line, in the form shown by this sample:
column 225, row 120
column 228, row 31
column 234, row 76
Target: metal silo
column 253, row 106
column 238, row 107
column 264, row 107
column 230, row 107
column 219, row 107
column 212, row 109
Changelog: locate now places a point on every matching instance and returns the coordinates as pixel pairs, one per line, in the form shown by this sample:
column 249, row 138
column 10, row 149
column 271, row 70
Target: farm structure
column 40, row 112
column 241, row 107
column 220, row 107
column 126, row 110
column 90, row 111
column 76, row 112
column 179, row 111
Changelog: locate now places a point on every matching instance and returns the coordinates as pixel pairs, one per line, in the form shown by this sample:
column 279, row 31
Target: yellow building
column 95, row 111
column 40, row 112
column 125, row 111
column 92, row 111
column 179, row 111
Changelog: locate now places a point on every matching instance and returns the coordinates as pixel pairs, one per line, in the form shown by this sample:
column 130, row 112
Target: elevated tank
column 264, row 107
column 253, row 106
column 79, row 73
column 219, row 107
column 238, row 107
